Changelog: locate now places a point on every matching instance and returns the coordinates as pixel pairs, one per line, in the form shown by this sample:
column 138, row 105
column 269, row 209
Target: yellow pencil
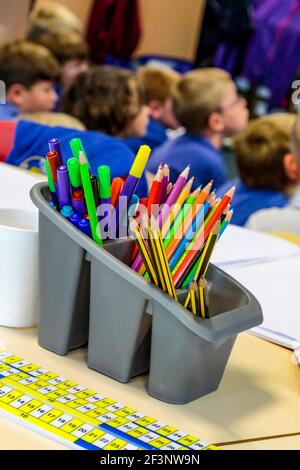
column 193, row 289
column 144, row 252
column 206, row 255
column 155, row 257
column 164, row 264
column 203, row 298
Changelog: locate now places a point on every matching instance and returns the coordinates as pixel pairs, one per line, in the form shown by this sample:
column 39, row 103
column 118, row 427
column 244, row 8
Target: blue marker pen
column 67, row 212
column 84, row 226
column 75, row 219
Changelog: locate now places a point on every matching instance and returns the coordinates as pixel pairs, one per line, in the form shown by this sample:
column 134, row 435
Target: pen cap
column 67, row 212
column 54, row 146
column 140, row 161
column 104, row 181
column 74, row 172
column 54, row 163
column 77, row 147
column 75, row 219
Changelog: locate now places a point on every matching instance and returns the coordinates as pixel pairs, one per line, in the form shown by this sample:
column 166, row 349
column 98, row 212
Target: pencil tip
column 82, row 158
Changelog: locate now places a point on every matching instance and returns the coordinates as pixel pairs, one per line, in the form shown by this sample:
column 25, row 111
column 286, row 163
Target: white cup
column 18, row 268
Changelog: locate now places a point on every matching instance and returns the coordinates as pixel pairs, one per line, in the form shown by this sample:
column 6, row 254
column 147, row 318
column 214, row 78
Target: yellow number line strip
column 87, row 405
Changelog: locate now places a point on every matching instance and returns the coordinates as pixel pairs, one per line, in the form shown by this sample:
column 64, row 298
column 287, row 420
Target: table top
column 258, row 397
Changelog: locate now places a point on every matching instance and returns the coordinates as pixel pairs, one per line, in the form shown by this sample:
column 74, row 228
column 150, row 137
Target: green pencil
column 89, row 198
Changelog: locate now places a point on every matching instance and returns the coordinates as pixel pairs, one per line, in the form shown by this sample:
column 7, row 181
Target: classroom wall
column 13, row 18
column 171, row 27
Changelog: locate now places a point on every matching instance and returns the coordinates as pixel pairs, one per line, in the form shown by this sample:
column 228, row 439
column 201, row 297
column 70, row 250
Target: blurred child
column 267, row 168
column 104, row 99
column 157, row 84
column 52, row 17
column 70, row 49
column 29, row 72
column 53, row 119
column 107, row 99
column 206, row 103
column 285, row 219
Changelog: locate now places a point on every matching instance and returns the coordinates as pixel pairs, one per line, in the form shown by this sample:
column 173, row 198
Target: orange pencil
column 197, row 243
column 116, row 188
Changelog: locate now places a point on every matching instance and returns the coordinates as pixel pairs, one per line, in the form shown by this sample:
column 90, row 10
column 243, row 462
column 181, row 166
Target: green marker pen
column 74, row 173
column 104, row 184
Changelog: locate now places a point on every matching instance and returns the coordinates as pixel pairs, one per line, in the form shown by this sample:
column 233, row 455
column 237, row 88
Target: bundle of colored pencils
column 189, row 226
column 81, row 197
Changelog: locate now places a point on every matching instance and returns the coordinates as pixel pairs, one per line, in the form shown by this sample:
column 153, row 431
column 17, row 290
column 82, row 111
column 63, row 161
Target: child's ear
column 291, row 167
column 15, row 94
column 155, row 109
column 215, row 123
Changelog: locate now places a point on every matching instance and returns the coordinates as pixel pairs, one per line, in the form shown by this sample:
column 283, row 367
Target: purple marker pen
column 78, row 202
column 63, row 187
column 132, row 181
column 54, row 146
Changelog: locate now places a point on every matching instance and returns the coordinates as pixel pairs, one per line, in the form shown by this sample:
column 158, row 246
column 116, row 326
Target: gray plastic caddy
column 89, row 293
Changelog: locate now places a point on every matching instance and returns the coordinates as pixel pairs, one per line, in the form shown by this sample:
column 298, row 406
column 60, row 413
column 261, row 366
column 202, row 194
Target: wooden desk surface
column 259, row 396
column 283, row 443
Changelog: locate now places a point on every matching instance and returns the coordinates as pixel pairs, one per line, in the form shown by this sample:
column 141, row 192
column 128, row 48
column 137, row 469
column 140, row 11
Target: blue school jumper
column 248, row 200
column 31, row 146
column 205, row 160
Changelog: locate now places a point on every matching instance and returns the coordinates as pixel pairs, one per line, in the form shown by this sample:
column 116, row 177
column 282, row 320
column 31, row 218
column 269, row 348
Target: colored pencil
column 164, row 183
column 173, row 196
column 181, row 217
column 175, row 209
column 204, row 306
column 144, row 251
column 155, row 191
column 200, row 238
column 201, row 266
column 188, row 222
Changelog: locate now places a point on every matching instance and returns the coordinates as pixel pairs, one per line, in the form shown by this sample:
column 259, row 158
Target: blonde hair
column 64, row 46
column 52, row 17
column 198, row 94
column 53, row 119
column 157, row 82
column 260, row 150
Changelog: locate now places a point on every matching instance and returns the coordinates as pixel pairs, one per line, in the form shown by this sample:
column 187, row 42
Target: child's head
column 263, row 152
column 206, row 103
column 70, row 49
column 158, row 84
column 29, row 72
column 52, row 17
column 107, row 99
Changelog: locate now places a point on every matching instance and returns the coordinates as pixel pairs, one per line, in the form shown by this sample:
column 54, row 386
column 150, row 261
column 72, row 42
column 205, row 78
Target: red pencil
column 155, row 191
column 196, row 245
